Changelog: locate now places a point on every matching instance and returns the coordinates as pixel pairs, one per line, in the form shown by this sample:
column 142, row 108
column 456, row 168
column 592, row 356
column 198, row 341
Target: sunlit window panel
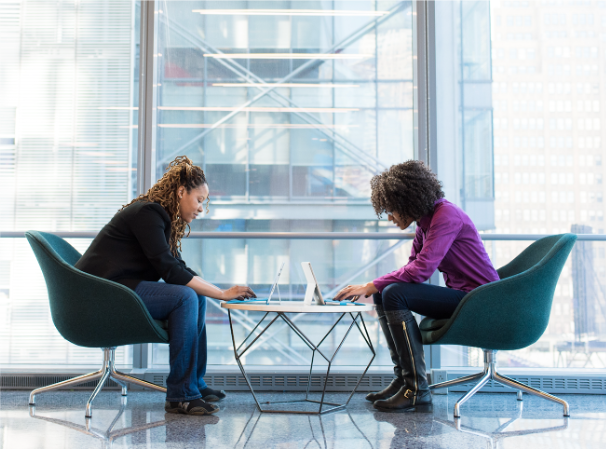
column 290, row 108
column 551, row 177
column 68, row 101
column 523, row 120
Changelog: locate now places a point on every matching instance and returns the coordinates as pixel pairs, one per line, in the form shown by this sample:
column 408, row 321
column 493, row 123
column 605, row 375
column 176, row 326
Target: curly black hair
column 180, row 172
column 410, row 189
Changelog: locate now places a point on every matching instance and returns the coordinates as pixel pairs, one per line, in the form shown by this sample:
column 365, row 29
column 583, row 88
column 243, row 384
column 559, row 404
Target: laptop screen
column 273, row 287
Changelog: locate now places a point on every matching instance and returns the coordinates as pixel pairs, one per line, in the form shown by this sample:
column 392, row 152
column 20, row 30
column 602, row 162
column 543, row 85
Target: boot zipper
column 414, row 367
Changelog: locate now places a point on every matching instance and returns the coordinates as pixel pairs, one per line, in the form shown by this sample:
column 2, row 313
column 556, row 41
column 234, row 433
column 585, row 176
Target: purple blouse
column 446, row 240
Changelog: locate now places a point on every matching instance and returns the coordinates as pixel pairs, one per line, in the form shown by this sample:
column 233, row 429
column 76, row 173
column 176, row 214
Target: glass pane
column 68, row 139
column 290, row 115
column 526, row 117
column 256, row 262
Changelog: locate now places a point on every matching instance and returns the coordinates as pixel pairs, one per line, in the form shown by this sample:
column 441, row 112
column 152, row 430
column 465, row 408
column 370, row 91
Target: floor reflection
column 311, row 430
column 410, row 430
column 189, row 431
column 494, row 437
column 108, row 436
column 492, row 420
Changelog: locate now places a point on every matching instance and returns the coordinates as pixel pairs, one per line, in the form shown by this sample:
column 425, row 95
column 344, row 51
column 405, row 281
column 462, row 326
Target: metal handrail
column 313, row 235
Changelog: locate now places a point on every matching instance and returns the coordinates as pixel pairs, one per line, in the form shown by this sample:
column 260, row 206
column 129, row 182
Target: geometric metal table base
column 490, row 373
column 107, row 372
column 239, row 352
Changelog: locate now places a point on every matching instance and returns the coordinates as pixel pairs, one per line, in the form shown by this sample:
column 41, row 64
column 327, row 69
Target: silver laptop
column 271, row 292
column 313, row 289
column 275, row 285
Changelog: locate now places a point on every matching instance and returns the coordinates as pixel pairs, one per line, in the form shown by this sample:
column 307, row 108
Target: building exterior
column 548, row 67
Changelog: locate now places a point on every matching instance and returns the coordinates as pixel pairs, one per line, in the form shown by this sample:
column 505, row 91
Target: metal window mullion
column 425, row 111
column 424, row 79
column 146, row 147
column 431, row 86
column 145, row 153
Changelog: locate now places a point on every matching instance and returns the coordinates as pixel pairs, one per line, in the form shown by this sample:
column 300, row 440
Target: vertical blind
column 66, row 106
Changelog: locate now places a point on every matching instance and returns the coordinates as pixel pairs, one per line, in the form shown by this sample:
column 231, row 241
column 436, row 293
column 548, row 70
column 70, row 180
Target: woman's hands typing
column 237, row 292
column 201, row 287
column 353, row 292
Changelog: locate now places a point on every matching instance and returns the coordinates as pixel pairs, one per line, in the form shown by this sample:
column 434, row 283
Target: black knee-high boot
column 397, row 382
column 414, row 394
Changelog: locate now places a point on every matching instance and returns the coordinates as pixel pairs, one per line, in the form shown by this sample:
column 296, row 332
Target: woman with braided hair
column 140, row 245
column 446, row 240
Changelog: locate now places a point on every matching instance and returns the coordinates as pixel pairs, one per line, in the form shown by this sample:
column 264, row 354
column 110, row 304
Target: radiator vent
column 234, row 382
column 298, row 382
column 29, row 382
column 549, row 384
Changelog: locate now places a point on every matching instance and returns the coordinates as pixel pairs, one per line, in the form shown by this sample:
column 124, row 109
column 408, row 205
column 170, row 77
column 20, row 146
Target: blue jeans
column 425, row 299
column 185, row 311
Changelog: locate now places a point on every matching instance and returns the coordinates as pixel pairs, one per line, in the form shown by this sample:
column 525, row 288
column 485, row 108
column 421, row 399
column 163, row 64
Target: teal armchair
column 508, row 314
column 92, row 312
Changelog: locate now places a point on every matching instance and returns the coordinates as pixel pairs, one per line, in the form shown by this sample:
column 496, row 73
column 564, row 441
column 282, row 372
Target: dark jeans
column 186, row 313
column 424, row 299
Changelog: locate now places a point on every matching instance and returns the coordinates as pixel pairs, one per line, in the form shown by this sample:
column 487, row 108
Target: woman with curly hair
column 140, row 245
column 445, row 239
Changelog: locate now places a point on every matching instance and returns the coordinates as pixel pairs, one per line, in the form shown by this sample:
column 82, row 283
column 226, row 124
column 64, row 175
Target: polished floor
column 489, row 421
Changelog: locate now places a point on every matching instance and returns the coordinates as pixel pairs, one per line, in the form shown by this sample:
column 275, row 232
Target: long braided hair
column 180, row 172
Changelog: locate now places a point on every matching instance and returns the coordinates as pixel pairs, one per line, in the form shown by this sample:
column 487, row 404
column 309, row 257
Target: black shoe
column 195, row 407
column 210, row 395
column 405, row 400
column 387, row 392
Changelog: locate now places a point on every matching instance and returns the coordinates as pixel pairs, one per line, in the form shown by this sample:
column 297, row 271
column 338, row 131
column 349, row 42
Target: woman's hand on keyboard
column 238, row 292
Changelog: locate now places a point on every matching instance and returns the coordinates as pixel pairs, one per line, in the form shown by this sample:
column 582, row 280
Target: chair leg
column 133, row 380
column 521, row 387
column 460, row 380
column 122, row 384
column 122, row 379
column 112, row 369
column 483, row 381
column 98, row 388
column 66, row 383
column 490, row 372
column 107, row 372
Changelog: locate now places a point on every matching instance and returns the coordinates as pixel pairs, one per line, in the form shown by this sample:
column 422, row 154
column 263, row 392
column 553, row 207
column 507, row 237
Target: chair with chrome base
column 507, row 315
column 92, row 312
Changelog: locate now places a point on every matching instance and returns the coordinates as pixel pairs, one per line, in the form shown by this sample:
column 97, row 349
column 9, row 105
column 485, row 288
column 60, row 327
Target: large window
column 290, row 108
column 547, row 69
column 527, row 76
column 67, row 150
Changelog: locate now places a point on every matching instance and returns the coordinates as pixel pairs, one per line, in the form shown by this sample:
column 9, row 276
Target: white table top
column 297, row 307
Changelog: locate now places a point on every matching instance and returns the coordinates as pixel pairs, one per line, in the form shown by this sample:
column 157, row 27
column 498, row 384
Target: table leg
column 315, row 348
column 233, row 339
column 253, row 329
column 370, row 346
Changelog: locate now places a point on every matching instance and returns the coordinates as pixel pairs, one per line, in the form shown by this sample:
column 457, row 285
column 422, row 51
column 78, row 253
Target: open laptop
column 313, row 292
column 271, row 292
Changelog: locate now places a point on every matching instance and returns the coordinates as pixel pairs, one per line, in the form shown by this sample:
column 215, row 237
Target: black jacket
column 133, row 247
